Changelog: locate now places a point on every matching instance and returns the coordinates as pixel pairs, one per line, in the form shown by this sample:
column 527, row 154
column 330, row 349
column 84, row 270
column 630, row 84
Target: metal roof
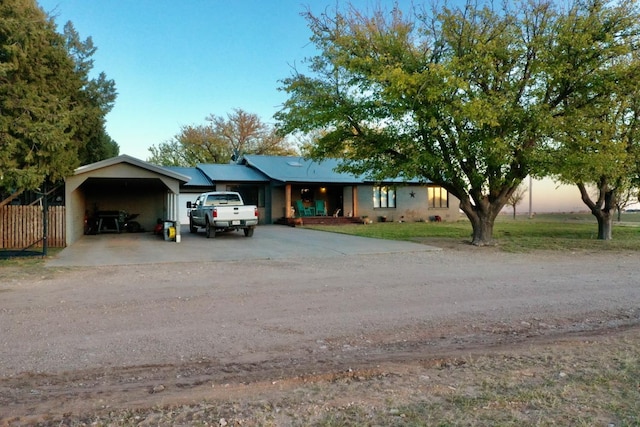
column 299, row 169
column 232, row 172
column 254, row 168
column 123, row 158
column 198, row 178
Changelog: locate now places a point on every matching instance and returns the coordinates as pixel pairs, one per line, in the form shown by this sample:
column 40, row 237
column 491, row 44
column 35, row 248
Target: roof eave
column 124, row 158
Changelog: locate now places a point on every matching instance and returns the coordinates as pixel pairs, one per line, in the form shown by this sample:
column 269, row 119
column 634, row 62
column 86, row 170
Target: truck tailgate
column 235, row 213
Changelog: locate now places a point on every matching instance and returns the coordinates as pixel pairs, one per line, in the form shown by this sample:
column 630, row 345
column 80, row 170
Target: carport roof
column 123, row 158
column 232, row 172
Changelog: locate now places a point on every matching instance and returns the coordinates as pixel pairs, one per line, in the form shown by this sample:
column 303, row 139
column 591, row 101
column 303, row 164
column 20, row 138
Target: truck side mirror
column 188, row 205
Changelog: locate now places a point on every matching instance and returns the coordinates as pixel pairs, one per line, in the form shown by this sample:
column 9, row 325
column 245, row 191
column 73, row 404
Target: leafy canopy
column 596, row 138
column 463, row 97
column 220, row 141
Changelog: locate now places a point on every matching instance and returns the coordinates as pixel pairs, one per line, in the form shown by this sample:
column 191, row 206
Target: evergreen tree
column 37, row 85
column 52, row 114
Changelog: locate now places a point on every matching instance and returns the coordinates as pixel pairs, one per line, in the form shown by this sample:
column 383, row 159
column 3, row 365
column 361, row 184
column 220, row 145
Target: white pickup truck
column 222, row 211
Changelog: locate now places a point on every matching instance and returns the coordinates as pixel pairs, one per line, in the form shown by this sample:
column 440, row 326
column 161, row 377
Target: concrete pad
column 268, row 242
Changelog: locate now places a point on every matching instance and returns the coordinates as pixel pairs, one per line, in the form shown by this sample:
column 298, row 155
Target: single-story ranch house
column 282, row 187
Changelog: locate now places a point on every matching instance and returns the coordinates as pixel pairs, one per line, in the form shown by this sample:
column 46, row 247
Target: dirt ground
column 81, row 343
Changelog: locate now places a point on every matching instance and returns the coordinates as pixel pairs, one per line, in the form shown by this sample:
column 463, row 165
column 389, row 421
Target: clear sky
column 176, row 62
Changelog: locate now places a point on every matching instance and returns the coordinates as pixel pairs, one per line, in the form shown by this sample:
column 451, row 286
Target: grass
column 16, row 267
column 578, row 383
column 562, row 232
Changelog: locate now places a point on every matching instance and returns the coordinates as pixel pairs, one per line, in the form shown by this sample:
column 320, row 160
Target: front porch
column 324, row 220
column 319, row 202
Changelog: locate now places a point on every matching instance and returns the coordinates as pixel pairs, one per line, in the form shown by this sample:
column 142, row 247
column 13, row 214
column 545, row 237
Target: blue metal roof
column 299, row 169
column 285, row 169
column 232, row 172
column 198, row 179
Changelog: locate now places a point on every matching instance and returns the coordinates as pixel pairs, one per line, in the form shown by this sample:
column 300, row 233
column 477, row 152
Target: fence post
column 45, row 220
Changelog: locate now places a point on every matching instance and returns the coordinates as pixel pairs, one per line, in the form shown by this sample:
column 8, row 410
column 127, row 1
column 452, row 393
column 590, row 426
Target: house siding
column 408, row 208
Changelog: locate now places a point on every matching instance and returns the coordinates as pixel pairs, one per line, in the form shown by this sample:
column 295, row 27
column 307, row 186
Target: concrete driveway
column 268, row 242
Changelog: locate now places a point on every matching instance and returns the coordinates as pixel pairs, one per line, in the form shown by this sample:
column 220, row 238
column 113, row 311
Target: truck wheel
column 192, row 229
column 248, row 232
column 210, row 231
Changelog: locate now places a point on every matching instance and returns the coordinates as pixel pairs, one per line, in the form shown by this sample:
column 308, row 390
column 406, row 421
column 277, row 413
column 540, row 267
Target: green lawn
column 544, row 232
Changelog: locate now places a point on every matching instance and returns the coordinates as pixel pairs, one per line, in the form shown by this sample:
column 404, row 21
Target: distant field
column 580, row 216
column 575, row 231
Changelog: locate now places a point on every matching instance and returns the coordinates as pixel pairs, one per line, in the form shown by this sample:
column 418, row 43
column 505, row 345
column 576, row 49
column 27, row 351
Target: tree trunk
column 482, row 220
column 482, row 231
column 602, row 209
column 514, row 211
column 605, row 224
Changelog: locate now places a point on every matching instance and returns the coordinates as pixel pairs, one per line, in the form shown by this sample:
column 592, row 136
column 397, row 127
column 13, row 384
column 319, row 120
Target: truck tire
column 210, row 231
column 192, row 229
column 248, row 232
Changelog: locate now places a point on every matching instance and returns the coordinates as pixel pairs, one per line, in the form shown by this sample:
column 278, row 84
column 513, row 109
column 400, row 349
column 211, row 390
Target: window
column 438, row 197
column 384, row 197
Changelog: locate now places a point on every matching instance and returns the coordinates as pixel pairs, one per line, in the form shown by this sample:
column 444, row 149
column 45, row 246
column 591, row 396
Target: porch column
column 287, row 201
column 354, row 200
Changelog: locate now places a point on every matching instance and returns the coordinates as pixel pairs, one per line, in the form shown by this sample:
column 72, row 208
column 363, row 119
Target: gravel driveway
column 268, row 242
column 257, row 307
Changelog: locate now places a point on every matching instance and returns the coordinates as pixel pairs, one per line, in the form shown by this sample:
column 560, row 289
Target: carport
column 122, row 183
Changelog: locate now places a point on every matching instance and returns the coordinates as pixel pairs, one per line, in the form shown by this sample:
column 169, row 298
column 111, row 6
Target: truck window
column 222, row 199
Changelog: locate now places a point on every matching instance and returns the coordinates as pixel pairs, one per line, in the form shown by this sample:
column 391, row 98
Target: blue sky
column 176, row 62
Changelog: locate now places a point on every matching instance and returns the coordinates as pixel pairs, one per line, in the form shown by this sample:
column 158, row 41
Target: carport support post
column 174, row 213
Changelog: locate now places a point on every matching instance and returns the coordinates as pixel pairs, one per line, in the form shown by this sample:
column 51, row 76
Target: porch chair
column 320, row 209
column 302, row 210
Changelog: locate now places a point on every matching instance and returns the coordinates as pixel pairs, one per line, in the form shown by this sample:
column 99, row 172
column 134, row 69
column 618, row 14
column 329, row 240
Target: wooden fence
column 21, row 227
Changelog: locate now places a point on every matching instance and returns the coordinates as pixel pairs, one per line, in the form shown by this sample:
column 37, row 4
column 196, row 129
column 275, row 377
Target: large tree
column 462, row 97
column 221, row 140
column 598, row 144
column 37, row 84
column 194, row 144
column 47, row 102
